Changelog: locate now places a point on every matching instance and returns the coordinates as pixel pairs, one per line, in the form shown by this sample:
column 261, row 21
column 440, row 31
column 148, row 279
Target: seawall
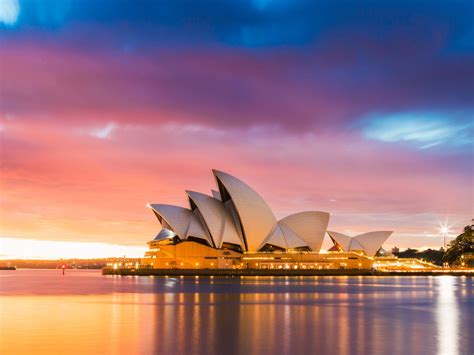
column 279, row 272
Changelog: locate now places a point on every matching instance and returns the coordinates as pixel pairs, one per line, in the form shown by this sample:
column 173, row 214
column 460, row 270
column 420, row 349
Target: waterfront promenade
column 283, row 272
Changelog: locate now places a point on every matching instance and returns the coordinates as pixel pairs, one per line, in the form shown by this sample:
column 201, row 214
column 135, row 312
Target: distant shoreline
column 49, row 268
column 72, row 263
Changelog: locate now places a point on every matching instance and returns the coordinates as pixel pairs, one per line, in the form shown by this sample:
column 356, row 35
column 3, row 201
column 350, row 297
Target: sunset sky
column 364, row 109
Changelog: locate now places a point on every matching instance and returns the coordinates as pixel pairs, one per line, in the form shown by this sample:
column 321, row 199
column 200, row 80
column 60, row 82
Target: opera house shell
column 369, row 243
column 237, row 217
column 234, row 220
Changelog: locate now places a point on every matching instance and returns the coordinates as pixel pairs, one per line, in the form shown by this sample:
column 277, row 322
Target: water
column 83, row 312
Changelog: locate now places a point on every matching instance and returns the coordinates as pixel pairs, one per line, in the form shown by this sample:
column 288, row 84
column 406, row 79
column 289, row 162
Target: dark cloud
column 308, row 65
column 253, row 23
column 327, row 87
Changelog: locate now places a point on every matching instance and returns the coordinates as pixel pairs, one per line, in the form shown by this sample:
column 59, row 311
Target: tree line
column 458, row 251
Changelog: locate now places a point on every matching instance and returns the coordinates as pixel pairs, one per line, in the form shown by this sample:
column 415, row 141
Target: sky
column 364, row 109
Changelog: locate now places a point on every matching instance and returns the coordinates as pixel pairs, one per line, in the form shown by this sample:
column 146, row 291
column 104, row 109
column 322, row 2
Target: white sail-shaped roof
column 309, row 227
column 293, row 240
column 372, row 241
column 181, row 220
column 196, row 229
column 369, row 242
column 236, row 214
column 164, row 234
column 276, row 237
column 284, row 237
column 216, row 219
column 342, row 240
column 255, row 216
column 355, row 245
column 177, row 218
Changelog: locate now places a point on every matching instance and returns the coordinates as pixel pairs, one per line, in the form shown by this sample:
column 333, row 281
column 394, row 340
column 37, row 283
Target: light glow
column 13, row 248
column 444, row 230
column 447, row 317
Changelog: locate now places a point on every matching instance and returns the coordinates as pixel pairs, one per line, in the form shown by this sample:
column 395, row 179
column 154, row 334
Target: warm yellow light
column 12, row 248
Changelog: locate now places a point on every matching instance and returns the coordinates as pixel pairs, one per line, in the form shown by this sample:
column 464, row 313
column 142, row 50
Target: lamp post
column 444, row 231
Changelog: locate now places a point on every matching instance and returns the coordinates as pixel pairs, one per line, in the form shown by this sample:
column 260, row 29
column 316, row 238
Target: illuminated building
column 235, row 228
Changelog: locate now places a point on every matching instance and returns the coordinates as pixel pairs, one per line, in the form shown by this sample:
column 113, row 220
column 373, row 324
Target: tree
column 433, row 256
column 464, row 243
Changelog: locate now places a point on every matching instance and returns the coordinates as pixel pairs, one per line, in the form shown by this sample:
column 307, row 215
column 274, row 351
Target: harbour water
column 84, row 312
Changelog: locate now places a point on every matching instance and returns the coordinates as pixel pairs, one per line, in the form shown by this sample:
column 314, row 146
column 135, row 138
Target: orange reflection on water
column 75, row 324
column 345, row 316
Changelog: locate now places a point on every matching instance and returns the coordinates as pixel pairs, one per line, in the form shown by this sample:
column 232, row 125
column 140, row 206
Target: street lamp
column 444, row 230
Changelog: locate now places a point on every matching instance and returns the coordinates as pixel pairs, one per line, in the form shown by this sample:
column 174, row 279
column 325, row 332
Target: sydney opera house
column 235, row 228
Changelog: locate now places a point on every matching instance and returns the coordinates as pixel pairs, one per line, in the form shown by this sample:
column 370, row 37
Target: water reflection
column 447, row 316
column 89, row 313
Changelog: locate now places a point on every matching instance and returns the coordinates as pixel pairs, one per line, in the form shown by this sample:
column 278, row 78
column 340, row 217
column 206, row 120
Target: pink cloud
column 62, row 183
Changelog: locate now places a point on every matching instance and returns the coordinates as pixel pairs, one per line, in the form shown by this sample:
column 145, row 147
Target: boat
column 7, row 267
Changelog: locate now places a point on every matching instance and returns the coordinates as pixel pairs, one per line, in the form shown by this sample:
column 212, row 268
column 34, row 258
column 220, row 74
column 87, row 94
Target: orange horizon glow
column 19, row 248
column 14, row 248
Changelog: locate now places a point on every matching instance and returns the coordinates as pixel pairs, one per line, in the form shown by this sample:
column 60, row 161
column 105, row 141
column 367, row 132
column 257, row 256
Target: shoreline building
column 235, row 228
